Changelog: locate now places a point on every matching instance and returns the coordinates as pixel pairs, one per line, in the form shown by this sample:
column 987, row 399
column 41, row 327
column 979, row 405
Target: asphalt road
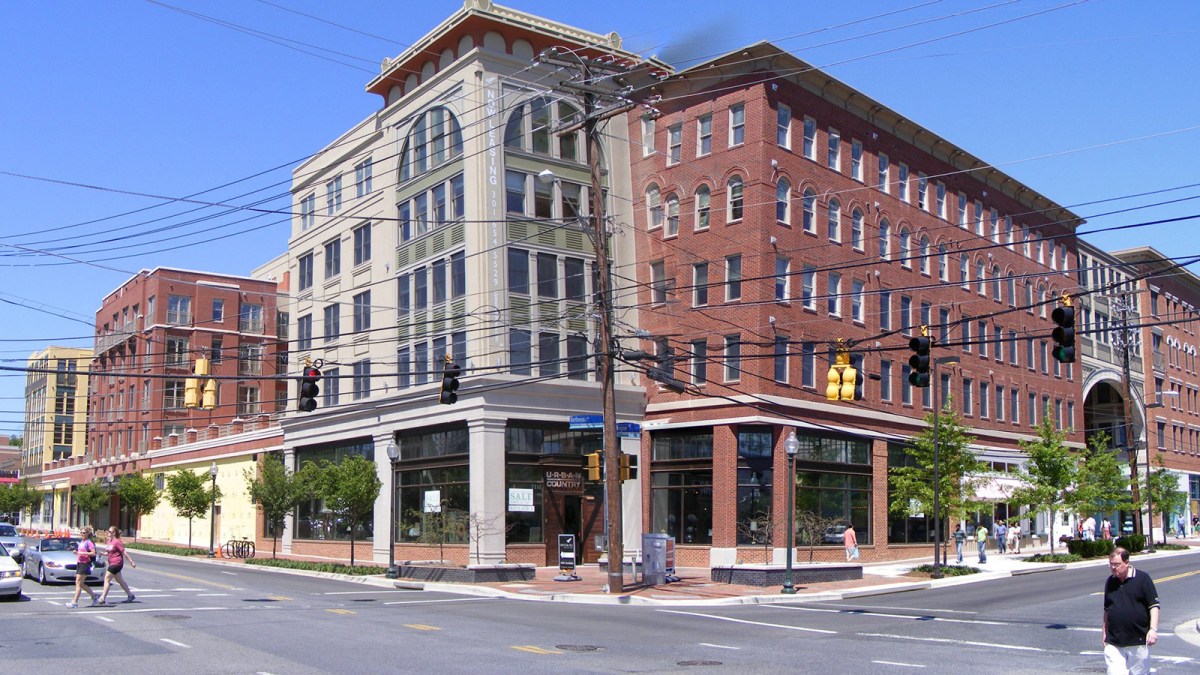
column 196, row 617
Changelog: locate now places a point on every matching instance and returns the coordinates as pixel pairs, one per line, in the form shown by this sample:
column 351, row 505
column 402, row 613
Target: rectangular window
column 834, row 159
column 808, row 288
column 421, row 372
column 834, row 304
column 1043, row 350
column 362, row 178
column 885, row 310
column 962, row 211
column 304, row 332
column 333, row 196
column 332, row 325
column 856, row 301
column 905, row 315
column 984, row 402
column 781, row 359
column 783, row 267
column 548, row 353
column 884, row 176
column 458, row 275
column 547, row 275
column 218, row 310
column 810, row 138
column 658, row 283
column 737, row 125
column 362, row 244
column 922, row 192
column 885, row 380
column 437, row 281
column 362, row 379
column 982, row 336
column 856, row 160
column 902, row 182
column 514, row 191
column 699, row 362
column 704, row 135
column 733, row 278
column 331, row 385
column 699, row 284
column 333, row 258
column 647, row 136
column 305, row 272
column 179, row 310
column 674, row 143
column 519, row 351
column 518, row 271
column 783, row 126
column 808, row 364
column 733, row 358
column 941, row 200
column 968, row 401
column 308, row 211
column 906, row 387
column 362, row 313
column 577, row 358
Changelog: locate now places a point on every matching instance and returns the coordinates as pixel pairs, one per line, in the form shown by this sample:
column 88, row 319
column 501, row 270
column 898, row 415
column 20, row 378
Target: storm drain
column 579, row 648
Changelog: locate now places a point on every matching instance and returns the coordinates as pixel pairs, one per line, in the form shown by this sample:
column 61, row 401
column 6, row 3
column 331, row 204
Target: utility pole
column 592, row 115
column 1124, row 337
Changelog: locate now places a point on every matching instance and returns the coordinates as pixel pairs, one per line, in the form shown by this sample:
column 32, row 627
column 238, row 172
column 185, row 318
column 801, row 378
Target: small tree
column 1050, row 474
column 480, row 525
column 90, row 498
column 960, row 472
column 1101, row 483
column 190, row 496
column 16, row 497
column 16, row 441
column 760, row 529
column 810, row 529
column 277, row 492
column 438, row 527
column 349, row 489
column 1165, row 496
column 138, row 496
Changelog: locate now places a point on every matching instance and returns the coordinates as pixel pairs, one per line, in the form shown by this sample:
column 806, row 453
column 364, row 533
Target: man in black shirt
column 1130, row 617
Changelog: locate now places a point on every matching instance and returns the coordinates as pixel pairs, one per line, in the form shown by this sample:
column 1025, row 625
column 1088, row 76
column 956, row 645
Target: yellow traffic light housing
column 209, row 399
column 191, row 393
column 629, row 467
column 591, row 464
column 837, row 373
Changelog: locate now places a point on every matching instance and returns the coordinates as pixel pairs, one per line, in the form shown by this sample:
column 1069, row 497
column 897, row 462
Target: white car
column 10, row 576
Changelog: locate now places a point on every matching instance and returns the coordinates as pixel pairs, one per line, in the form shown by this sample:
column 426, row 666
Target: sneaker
column 96, row 602
column 131, row 598
column 71, row 605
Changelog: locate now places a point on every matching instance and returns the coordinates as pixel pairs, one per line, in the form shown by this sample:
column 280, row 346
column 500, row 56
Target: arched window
column 924, row 254
column 703, row 204
column 905, row 247
column 435, row 138
column 734, row 209
column 981, row 276
column 997, row 291
column 835, row 220
column 672, row 216
column 654, row 211
column 1041, row 292
column 529, row 125
column 943, row 263
column 885, row 239
column 964, row 270
column 856, row 229
column 1012, row 290
column 810, row 211
column 783, row 198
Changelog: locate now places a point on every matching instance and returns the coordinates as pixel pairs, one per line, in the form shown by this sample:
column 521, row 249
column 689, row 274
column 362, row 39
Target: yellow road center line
column 1176, row 576
column 420, row 626
column 341, row 611
column 534, row 650
column 278, row 597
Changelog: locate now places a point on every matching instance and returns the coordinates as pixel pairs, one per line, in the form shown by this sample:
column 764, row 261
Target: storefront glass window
column 681, row 505
column 434, row 505
column 313, row 520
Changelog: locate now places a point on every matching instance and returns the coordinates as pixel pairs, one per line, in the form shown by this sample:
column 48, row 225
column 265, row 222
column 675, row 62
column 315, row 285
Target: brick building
column 779, row 210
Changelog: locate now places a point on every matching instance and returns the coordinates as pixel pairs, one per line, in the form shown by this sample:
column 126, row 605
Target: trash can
column 654, row 558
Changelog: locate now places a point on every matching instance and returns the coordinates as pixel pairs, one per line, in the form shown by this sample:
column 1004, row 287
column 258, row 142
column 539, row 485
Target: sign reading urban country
column 569, row 482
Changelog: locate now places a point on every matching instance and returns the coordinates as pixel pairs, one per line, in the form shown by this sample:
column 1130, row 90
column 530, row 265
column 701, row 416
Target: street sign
column 566, row 553
column 629, row 430
column 587, row 421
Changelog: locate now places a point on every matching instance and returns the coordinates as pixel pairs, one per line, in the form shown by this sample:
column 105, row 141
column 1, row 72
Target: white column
column 383, row 505
column 285, row 537
column 488, row 491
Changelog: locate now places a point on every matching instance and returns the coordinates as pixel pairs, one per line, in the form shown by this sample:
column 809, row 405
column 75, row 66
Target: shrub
column 947, row 570
column 1134, row 543
column 1172, row 547
column 1090, row 549
column 334, row 568
column 164, row 548
column 1054, row 558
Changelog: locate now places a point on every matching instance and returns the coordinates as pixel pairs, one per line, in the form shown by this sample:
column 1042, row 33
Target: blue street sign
column 587, row 421
column 629, row 430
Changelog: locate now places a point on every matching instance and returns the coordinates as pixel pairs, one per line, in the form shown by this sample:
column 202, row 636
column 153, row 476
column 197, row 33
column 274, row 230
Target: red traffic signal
column 309, row 389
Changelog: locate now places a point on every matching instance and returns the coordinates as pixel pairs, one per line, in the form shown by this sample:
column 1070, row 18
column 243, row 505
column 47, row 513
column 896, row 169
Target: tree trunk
column 1053, row 517
column 189, row 532
column 273, row 540
column 352, row 544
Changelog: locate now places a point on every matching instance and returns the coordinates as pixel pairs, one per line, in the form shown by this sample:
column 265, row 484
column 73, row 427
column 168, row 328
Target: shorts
column 83, row 569
column 116, row 569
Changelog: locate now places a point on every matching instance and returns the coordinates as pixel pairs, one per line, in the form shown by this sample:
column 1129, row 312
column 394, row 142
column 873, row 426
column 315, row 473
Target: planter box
column 773, row 575
column 472, row 574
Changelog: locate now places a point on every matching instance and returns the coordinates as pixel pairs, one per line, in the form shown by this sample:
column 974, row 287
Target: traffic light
column 191, row 392
column 209, row 400
column 1064, row 332
column 450, row 373
column 629, row 467
column 841, row 360
column 856, row 367
column 591, row 463
column 919, row 361
column 309, row 388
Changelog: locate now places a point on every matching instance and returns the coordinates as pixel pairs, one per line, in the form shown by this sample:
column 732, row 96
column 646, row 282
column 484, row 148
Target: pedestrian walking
column 1089, row 529
column 1014, row 538
column 117, row 557
column 981, row 535
column 960, row 538
column 1106, row 529
column 850, row 541
column 1131, row 611
column 85, row 555
column 1001, row 533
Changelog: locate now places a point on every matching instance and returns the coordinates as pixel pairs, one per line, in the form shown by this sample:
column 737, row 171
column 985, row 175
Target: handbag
column 854, row 553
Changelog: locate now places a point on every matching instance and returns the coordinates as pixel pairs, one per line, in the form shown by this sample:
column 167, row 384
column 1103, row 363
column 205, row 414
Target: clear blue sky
column 1092, row 101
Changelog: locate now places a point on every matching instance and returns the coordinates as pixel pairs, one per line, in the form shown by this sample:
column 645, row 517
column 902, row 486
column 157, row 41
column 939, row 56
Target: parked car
column 834, row 535
column 10, row 575
column 11, row 540
column 53, row 559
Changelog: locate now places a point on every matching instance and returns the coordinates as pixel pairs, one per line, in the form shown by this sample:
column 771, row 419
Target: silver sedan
column 54, row 560
column 12, row 540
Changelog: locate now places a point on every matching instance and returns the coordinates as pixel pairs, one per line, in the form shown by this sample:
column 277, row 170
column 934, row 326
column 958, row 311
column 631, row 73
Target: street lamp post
column 393, row 453
column 937, row 482
column 1149, row 497
column 790, row 446
column 212, row 520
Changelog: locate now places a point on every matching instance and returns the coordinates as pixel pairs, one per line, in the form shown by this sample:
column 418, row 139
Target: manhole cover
column 579, row 648
column 172, row 617
column 699, row 663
